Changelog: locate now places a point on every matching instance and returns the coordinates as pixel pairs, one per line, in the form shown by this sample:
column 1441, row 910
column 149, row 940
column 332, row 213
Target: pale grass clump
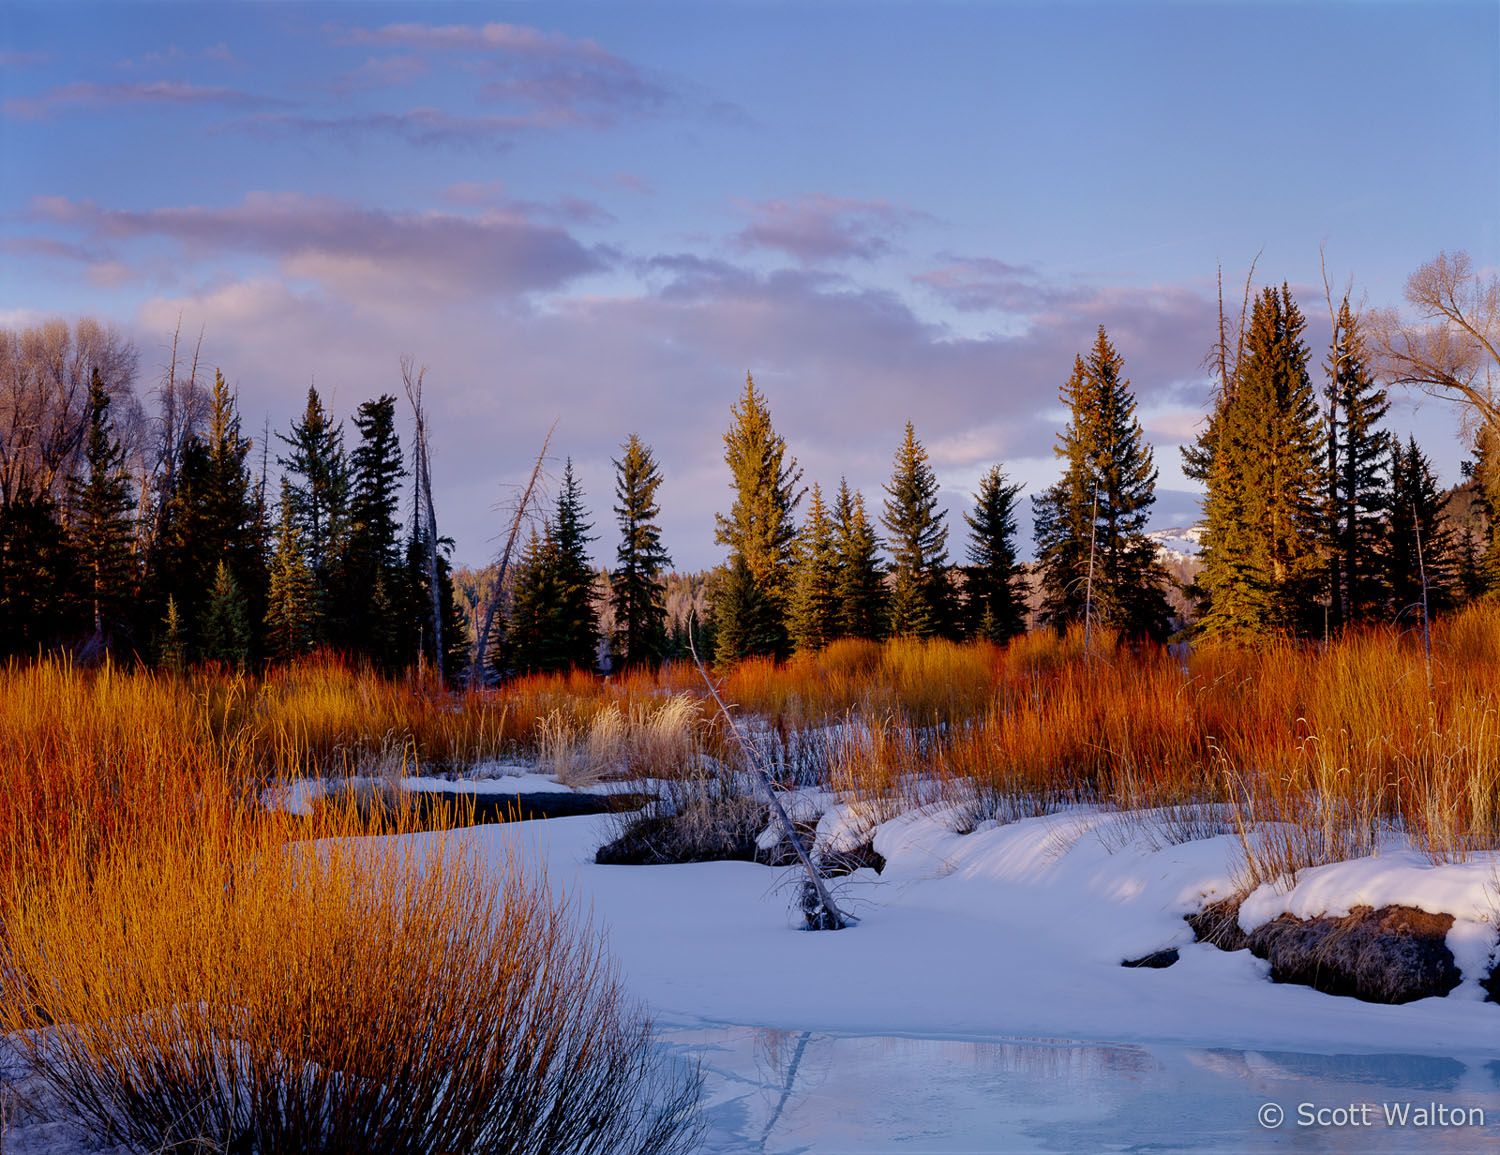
column 340, row 997
column 660, row 739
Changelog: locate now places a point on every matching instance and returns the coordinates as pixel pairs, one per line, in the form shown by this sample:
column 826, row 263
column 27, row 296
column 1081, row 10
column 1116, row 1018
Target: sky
column 607, row 215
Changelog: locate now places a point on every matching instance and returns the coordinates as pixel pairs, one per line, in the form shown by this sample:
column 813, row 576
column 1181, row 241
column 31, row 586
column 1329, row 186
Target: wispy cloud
column 984, row 284
column 343, row 245
column 541, row 79
column 10, row 59
column 156, row 93
column 175, row 54
column 822, row 228
column 384, row 72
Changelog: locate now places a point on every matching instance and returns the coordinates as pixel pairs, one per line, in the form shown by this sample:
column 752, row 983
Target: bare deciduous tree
column 44, row 385
column 1452, row 349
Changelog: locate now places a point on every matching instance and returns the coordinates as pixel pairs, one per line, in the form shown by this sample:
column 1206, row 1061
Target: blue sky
column 608, row 214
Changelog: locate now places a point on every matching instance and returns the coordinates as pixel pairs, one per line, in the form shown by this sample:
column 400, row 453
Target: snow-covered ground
column 980, row 1004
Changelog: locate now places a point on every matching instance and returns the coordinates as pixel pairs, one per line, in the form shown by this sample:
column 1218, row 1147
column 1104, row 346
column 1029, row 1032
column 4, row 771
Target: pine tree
column 533, row 639
column 815, row 600
column 1358, row 451
column 921, row 597
column 369, row 564
column 1092, row 549
column 1419, row 546
column 291, row 610
column 39, row 578
column 102, row 519
column 1487, row 476
column 225, row 632
column 319, row 485
column 994, row 586
column 577, row 617
column 861, row 588
column 758, row 530
column 1261, row 565
column 173, row 649
column 636, row 586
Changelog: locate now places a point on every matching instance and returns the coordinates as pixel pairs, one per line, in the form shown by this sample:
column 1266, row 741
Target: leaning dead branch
column 496, row 592
column 824, row 913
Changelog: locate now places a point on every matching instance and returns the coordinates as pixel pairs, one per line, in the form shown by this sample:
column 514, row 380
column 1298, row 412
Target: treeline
column 154, row 533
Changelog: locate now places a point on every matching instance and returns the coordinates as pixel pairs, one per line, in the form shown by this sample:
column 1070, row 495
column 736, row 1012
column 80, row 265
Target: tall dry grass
column 338, row 997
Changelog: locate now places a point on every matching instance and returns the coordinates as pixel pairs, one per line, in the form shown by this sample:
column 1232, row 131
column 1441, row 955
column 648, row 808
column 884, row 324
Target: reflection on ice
column 804, row 1091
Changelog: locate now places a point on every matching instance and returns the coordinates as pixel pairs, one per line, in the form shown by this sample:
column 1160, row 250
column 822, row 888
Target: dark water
column 790, row 1091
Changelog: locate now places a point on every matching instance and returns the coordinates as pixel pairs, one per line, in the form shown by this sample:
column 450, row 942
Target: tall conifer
column 921, row 598
column 815, row 600
column 1261, row 561
column 318, row 473
column 102, row 519
column 1092, row 547
column 1359, row 450
column 368, row 568
column 640, row 637
column 1419, row 548
column 861, row 587
column 994, row 586
column 291, row 604
column 759, row 532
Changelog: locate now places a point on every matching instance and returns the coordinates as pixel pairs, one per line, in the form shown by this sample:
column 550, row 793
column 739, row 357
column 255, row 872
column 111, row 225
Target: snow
column 1469, row 891
column 1015, row 930
column 980, row 1004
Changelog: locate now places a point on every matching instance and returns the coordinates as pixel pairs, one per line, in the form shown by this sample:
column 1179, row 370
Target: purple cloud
column 984, row 284
column 87, row 94
column 342, row 244
column 823, row 228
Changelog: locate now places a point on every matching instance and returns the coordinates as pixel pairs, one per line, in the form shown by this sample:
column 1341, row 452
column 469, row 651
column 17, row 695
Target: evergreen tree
column 1419, row 544
column 319, row 485
column 1092, row 548
column 636, row 586
column 173, row 650
column 758, row 530
column 921, row 597
column 225, row 633
column 214, row 516
column 291, row 610
column 416, row 638
column 576, row 616
column 994, row 585
column 815, row 588
column 102, row 520
column 861, row 588
column 534, row 640
column 1357, row 452
column 39, row 576
column 1487, row 476
column 369, row 565
column 1261, row 565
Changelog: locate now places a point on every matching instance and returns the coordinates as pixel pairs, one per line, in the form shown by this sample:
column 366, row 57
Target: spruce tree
column 1358, row 450
column 576, row 616
column 172, row 651
column 815, row 593
column 1419, row 546
column 225, row 632
column 319, row 485
column 1486, row 475
column 291, row 609
column 1261, row 562
column 534, row 639
column 861, row 588
column 994, row 585
column 636, row 585
column 759, row 532
column 921, row 596
column 40, row 578
column 102, row 521
column 369, row 565
column 213, row 515
column 1092, row 549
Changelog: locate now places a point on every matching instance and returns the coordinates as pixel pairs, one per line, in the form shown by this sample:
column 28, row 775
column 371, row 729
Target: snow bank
column 1016, row 930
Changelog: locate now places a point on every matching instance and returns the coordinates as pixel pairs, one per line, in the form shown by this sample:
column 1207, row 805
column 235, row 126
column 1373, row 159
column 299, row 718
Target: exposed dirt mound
column 1156, row 960
column 717, row 831
column 1391, row 955
column 1218, row 924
